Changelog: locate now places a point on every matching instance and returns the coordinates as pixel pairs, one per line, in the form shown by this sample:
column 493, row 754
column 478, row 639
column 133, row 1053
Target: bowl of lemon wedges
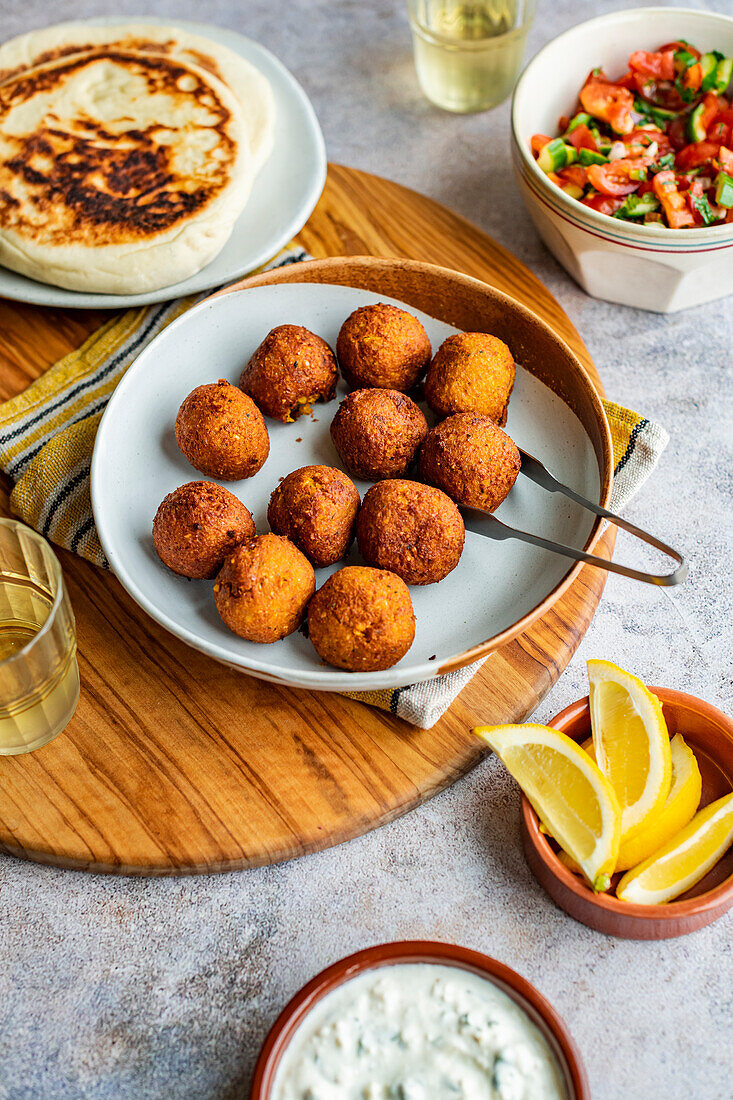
column 627, row 815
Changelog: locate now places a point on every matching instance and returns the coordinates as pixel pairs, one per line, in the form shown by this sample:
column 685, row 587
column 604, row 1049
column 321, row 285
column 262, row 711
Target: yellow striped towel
column 47, row 437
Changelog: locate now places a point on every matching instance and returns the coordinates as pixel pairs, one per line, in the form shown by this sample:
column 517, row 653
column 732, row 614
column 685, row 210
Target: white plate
column 282, row 199
column 136, row 462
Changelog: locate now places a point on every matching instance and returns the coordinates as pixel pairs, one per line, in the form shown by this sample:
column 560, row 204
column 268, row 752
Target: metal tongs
column 533, row 469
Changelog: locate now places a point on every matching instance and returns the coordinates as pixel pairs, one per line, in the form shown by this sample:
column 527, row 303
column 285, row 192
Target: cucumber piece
column 724, row 190
column 581, row 119
column 695, row 129
column 708, row 64
column 723, row 74
column 636, row 206
column 555, row 155
column 587, row 156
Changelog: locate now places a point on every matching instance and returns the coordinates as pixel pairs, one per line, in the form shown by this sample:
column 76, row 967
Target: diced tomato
column 692, row 77
column 729, row 215
column 675, row 46
column 676, row 133
column 574, row 173
column 554, row 178
column 673, row 201
column 659, row 65
column 538, row 142
column 603, row 204
column 627, row 81
column 563, row 123
column 721, row 128
column 725, row 159
column 646, row 137
column 615, row 178
column 609, row 102
column 692, row 156
column 582, row 138
column 645, row 186
column 710, row 110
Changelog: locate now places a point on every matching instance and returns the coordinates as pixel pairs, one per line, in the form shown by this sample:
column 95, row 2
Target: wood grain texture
column 175, row 764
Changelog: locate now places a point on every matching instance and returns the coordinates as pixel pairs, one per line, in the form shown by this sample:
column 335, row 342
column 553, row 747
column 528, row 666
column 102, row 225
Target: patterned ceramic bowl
column 647, row 266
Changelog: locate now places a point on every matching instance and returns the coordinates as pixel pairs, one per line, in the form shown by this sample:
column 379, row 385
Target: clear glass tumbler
column 468, row 53
column 39, row 675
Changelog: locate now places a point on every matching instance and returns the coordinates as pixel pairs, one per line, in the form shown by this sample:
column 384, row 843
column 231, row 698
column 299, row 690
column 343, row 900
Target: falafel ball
column 197, row 525
column 414, row 530
column 263, row 588
column 377, row 433
column 361, row 619
column 315, row 507
column 471, row 372
column 470, row 459
column 291, row 370
column 221, row 432
column 384, row 347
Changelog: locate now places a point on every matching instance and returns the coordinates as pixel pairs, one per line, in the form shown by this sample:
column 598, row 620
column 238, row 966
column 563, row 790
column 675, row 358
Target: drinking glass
column 39, row 675
column 468, row 52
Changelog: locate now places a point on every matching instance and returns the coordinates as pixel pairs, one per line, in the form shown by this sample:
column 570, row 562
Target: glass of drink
column 468, row 52
column 39, row 676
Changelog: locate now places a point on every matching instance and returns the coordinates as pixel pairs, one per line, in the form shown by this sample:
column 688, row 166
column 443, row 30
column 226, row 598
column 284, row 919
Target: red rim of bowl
column 522, row 992
column 680, row 917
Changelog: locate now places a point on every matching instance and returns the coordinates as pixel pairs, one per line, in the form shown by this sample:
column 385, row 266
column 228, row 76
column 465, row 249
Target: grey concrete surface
column 133, row 989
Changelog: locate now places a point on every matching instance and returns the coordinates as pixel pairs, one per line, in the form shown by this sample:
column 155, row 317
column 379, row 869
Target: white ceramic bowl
column 647, row 266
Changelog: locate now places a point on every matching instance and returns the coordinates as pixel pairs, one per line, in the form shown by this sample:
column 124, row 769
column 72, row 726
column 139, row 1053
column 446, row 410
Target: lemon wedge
column 679, row 809
column 631, row 743
column 684, row 859
column 573, row 800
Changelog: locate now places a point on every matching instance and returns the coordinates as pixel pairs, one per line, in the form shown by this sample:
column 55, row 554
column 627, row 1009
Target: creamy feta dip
column 418, row 1031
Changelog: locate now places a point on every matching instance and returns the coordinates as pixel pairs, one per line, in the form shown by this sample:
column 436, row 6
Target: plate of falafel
column 292, row 476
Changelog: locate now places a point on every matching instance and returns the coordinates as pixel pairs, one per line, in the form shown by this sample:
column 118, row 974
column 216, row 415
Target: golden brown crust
column 470, row 459
column 291, row 370
column 99, row 185
column 197, row 525
column 414, row 530
column 263, row 588
column 383, row 346
column 471, row 372
column 377, row 433
column 361, row 619
column 221, row 432
column 315, row 507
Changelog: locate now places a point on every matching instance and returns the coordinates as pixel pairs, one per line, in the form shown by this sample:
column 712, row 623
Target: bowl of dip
column 419, row 1021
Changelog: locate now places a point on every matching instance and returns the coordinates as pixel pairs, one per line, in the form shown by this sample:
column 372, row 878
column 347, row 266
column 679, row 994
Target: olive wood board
column 176, row 764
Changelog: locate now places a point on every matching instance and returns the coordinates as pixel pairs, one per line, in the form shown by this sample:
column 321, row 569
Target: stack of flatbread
column 126, row 153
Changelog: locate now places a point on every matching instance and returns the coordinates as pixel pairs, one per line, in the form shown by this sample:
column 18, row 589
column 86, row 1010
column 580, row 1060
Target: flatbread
column 120, row 172
column 249, row 86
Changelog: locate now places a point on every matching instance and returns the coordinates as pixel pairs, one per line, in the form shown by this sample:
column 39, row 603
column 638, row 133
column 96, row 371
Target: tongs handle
column 533, row 469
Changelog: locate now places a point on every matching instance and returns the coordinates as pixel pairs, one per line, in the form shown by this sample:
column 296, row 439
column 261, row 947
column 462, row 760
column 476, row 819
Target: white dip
column 418, row 1031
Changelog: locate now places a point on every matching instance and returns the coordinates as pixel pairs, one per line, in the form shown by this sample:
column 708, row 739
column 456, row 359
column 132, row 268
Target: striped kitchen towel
column 47, row 437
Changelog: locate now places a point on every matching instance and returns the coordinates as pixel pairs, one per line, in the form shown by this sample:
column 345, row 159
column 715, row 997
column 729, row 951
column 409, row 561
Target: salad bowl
column 649, row 267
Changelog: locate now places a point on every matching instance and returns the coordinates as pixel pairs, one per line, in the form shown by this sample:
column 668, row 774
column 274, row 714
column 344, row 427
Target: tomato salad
column 655, row 146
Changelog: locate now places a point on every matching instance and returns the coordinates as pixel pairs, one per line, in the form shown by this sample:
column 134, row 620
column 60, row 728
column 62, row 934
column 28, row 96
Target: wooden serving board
column 175, row 764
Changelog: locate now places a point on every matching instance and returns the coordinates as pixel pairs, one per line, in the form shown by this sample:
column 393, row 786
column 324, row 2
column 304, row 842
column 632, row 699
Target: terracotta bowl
column 709, row 733
column 514, row 985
